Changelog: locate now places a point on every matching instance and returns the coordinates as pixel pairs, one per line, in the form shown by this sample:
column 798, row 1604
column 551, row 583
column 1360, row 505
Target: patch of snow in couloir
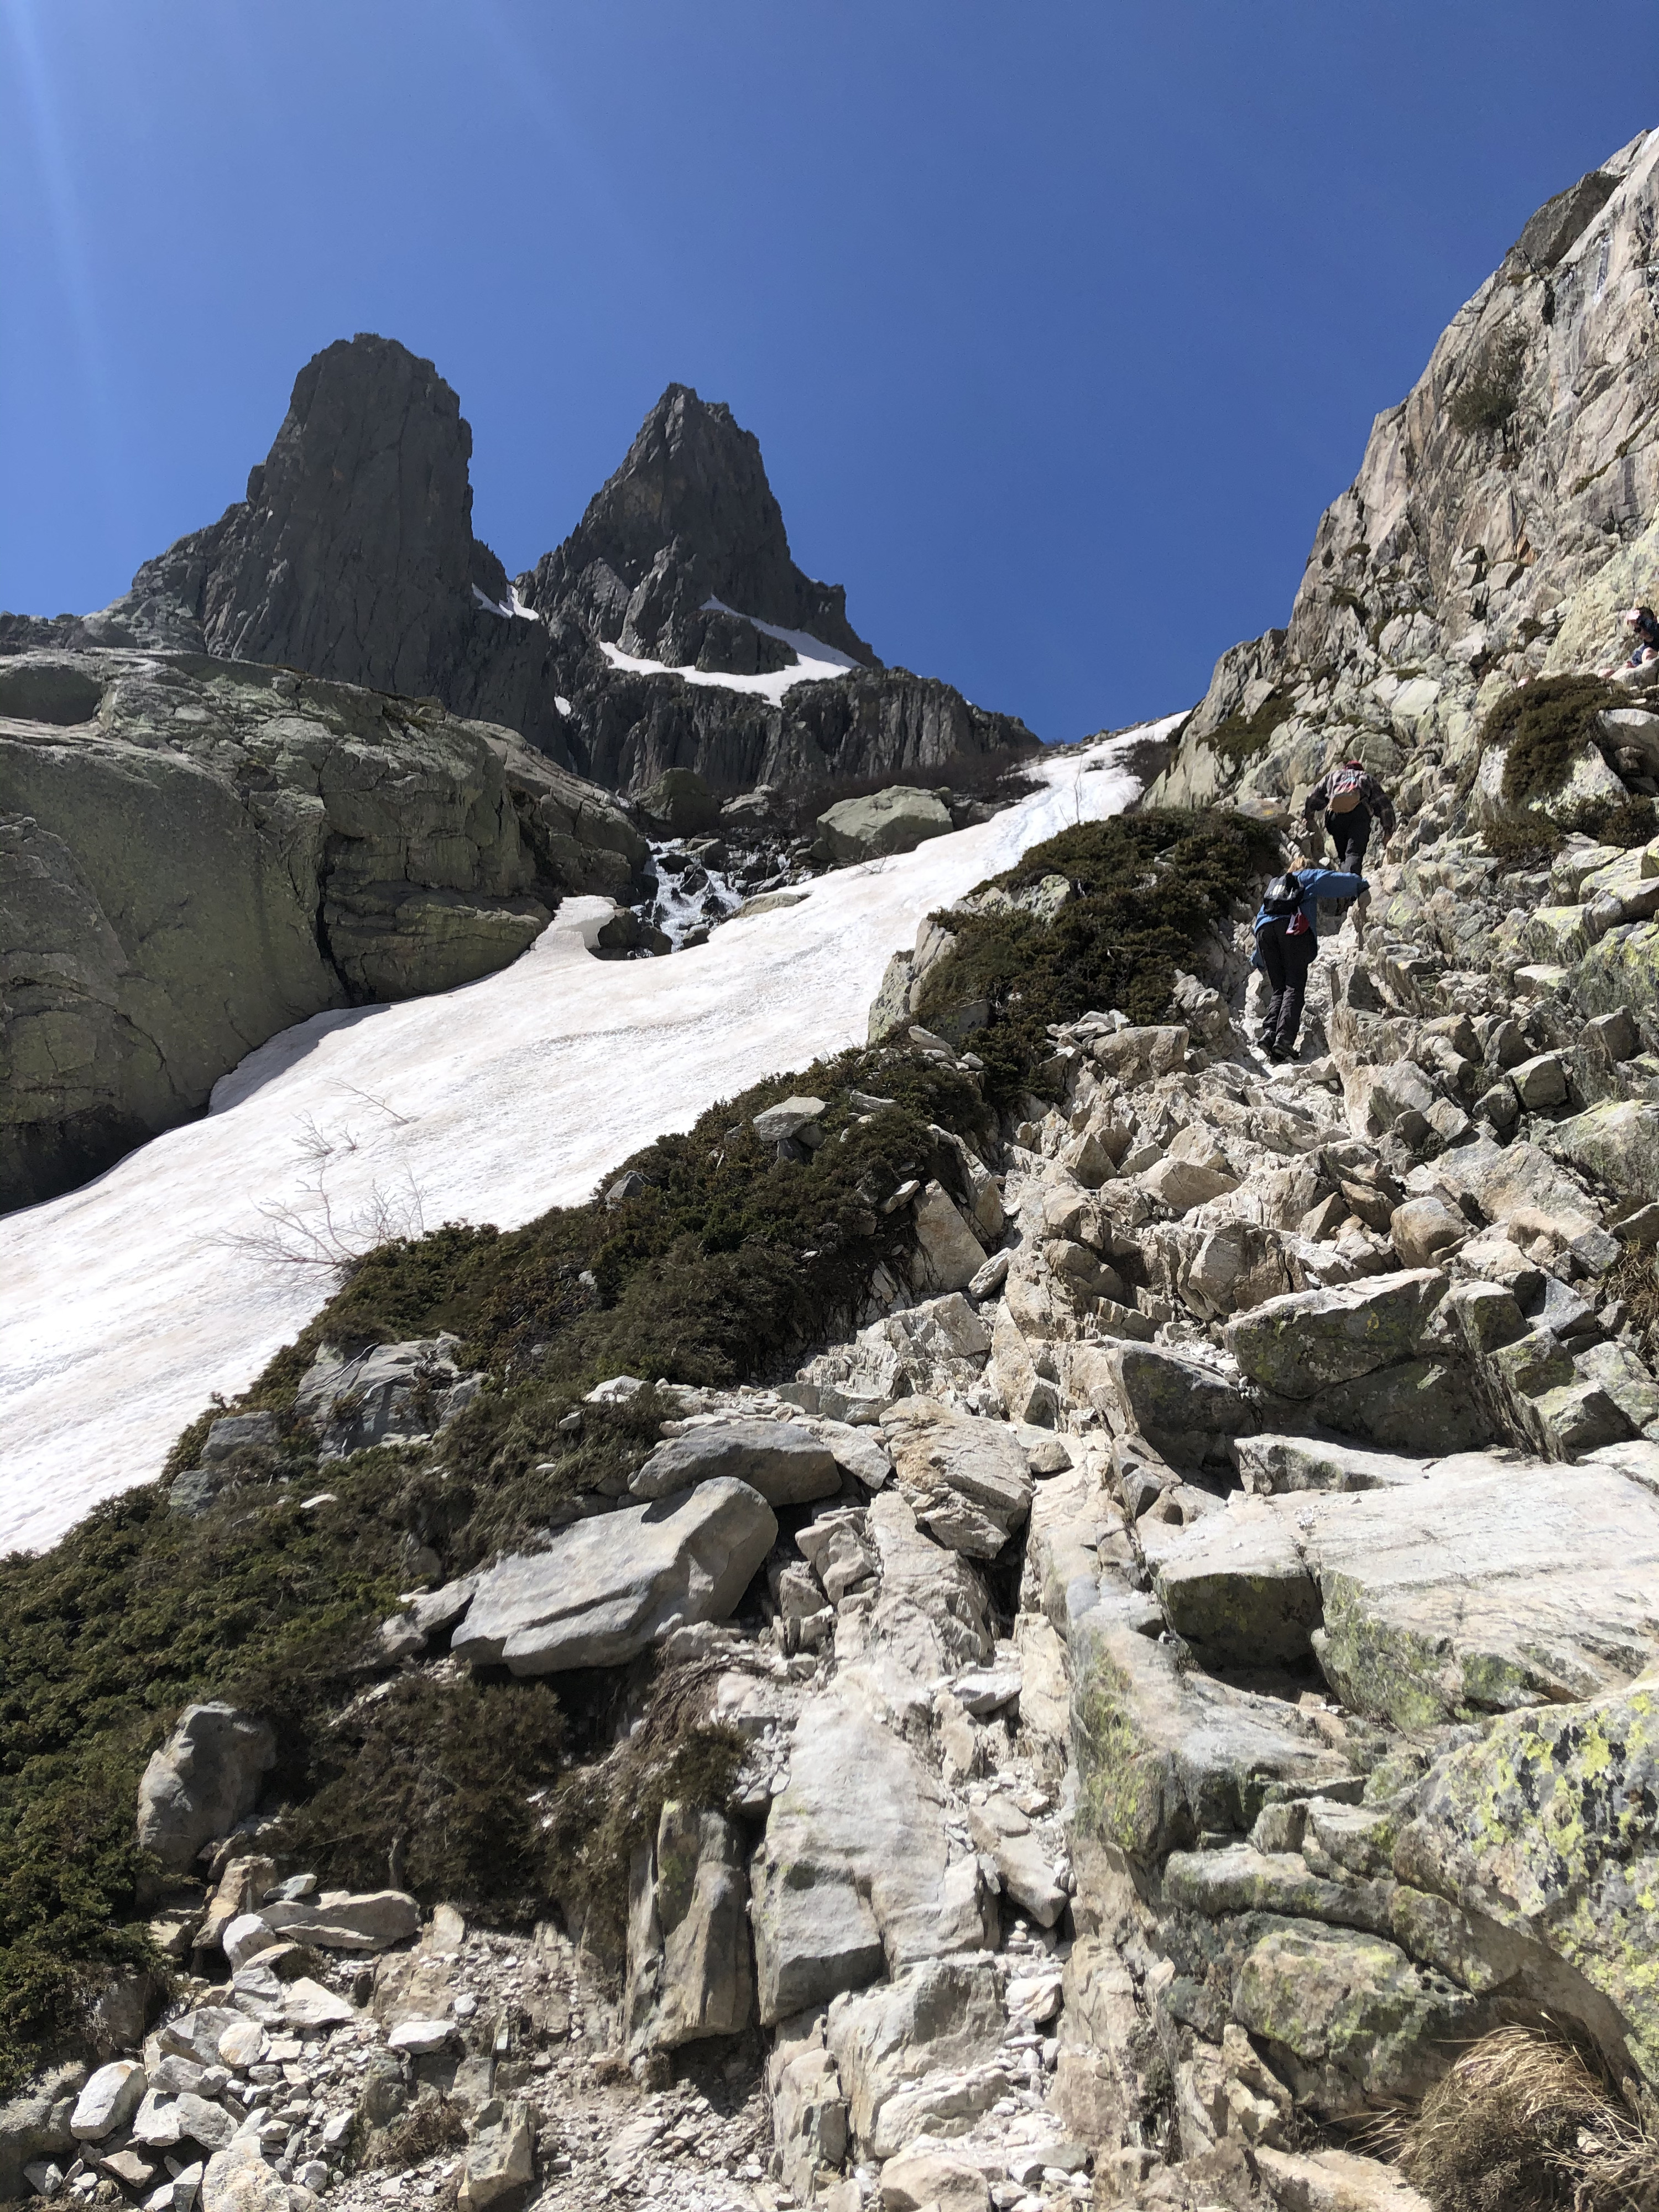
column 815, row 662
column 804, row 646
column 175, row 1273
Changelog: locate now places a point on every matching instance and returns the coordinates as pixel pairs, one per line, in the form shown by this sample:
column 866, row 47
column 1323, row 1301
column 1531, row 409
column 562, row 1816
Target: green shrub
column 1149, row 890
column 1242, row 736
column 134, row 1614
column 1518, row 846
column 433, row 1778
column 1491, row 392
column 1626, row 821
column 1545, row 727
column 600, row 1815
column 724, row 1263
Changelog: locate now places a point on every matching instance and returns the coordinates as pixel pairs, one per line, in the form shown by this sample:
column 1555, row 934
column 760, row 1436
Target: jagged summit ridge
column 689, row 517
column 353, row 557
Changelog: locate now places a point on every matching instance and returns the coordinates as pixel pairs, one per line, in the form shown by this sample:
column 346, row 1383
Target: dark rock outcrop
column 687, row 518
column 196, row 853
column 352, row 557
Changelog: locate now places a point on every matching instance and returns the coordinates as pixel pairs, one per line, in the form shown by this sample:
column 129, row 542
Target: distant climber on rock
column 1350, row 799
column 1287, row 942
column 1642, row 626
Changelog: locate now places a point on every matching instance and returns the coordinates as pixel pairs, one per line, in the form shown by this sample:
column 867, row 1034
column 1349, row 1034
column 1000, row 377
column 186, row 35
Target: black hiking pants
column 1284, row 963
column 1350, row 834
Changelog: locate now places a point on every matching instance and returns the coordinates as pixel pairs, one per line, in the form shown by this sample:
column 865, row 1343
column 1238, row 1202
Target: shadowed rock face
column 196, row 853
column 353, row 557
column 688, row 517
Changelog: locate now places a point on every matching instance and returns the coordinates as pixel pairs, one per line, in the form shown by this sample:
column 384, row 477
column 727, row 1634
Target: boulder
column 916, row 2056
column 681, row 803
column 607, row 1588
column 1424, row 1232
column 1301, row 1345
column 338, row 1920
column 34, row 2124
column 788, row 1465
column 237, row 2179
column 501, row 2158
column 1617, row 1141
column 391, row 1393
column 1483, row 1587
column 163, row 2122
column 1347, row 2016
column 1398, row 1098
column 1182, row 1184
column 202, row 1781
column 1000, row 1829
column 949, row 1256
column 108, row 2101
column 916, row 2180
column 893, row 821
column 929, row 1615
column 968, row 1481
column 1164, row 1752
column 1237, row 1587
column 855, row 1875
column 1548, row 1827
column 1184, row 1408
column 688, row 1971
column 809, row 2113
column 776, row 1125
column 1271, row 1465
column 1334, row 2181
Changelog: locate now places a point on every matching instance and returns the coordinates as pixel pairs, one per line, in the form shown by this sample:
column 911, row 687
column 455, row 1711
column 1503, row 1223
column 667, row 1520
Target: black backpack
column 1282, row 897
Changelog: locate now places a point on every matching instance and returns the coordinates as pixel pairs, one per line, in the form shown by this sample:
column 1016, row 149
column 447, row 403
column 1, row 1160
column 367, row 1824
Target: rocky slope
column 1157, row 1708
column 1504, row 512
column 352, row 557
column 201, row 853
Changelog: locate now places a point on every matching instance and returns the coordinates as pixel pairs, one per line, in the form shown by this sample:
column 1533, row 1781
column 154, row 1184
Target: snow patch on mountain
column 182, row 1270
column 815, row 662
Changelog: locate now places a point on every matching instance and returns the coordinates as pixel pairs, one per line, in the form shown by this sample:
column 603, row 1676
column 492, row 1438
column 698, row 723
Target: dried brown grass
column 1528, row 2121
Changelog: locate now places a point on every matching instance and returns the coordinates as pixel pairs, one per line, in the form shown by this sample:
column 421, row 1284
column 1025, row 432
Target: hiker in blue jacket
column 1286, row 941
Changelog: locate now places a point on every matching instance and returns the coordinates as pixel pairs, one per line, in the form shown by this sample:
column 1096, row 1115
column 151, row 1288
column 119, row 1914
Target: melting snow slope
column 129, row 1301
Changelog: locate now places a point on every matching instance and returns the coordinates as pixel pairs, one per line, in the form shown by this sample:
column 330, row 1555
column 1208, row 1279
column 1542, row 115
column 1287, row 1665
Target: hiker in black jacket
column 1287, row 943
column 1350, row 799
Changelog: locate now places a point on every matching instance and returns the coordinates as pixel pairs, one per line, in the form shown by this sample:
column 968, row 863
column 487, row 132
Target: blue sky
column 1058, row 324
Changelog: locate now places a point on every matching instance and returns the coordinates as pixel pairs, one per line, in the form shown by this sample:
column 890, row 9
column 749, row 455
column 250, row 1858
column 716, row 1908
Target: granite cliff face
column 1503, row 514
column 194, row 854
column 353, row 557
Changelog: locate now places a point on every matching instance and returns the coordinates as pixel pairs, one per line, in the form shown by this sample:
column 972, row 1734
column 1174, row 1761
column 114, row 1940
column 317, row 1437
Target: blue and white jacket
column 1317, row 883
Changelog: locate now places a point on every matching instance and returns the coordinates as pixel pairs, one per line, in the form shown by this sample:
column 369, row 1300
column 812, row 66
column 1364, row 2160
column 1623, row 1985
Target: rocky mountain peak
column 362, row 505
column 690, row 517
column 352, row 555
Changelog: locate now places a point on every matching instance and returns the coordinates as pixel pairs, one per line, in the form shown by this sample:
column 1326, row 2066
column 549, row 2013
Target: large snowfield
column 181, row 1271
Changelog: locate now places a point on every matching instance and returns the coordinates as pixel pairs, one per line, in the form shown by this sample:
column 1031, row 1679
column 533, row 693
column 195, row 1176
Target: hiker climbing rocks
column 1286, row 942
column 1350, row 799
column 1642, row 625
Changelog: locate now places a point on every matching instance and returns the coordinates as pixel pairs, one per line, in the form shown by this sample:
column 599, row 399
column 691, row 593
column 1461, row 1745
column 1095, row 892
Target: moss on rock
column 1548, row 1827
